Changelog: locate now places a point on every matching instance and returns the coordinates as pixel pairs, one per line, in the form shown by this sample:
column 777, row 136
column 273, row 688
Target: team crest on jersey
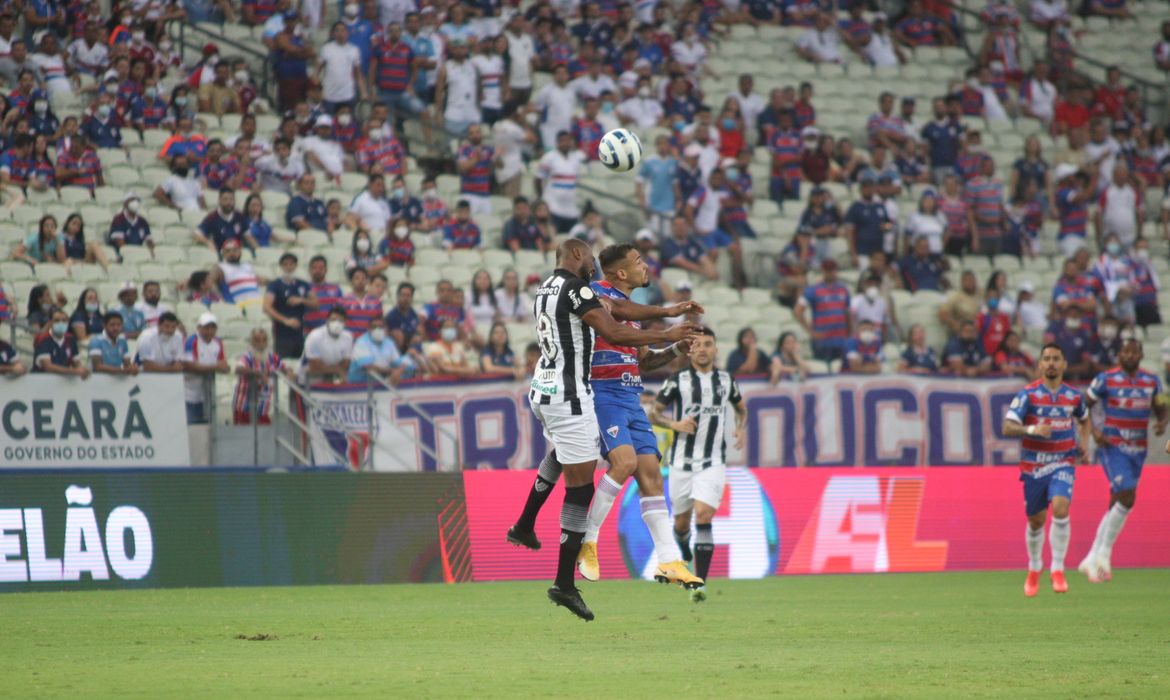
column 586, row 293
column 612, row 431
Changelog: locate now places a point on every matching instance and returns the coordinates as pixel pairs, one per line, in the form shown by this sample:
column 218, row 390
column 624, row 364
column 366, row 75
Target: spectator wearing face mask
column 863, row 352
column 55, row 350
column 450, row 355
column 396, row 248
column 128, row 228
column 256, row 370
column 328, row 350
column 992, row 324
column 375, row 353
column 286, row 300
column 1145, row 283
column 871, row 305
column 1074, row 335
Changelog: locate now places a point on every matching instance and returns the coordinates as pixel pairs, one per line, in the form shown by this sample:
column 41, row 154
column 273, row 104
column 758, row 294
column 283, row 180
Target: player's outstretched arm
column 1014, row 429
column 601, row 321
column 650, row 360
column 626, row 310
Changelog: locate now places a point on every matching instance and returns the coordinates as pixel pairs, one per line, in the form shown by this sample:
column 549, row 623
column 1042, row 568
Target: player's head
column 575, row 256
column 1130, row 356
column 622, row 263
column 1052, row 363
column 703, row 350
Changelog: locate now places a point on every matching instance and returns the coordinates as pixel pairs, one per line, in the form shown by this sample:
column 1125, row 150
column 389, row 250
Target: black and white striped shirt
column 704, row 397
column 566, row 342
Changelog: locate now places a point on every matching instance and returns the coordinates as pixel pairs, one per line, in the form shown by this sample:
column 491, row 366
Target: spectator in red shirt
column 1071, row 113
column 992, row 324
column 1110, row 95
column 731, row 129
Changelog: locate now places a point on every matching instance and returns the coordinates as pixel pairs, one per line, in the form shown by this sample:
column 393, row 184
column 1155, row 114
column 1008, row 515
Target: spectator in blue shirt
column 128, row 228
column 133, row 320
column 304, row 210
column 943, row 136
column 360, row 30
column 55, row 351
column 964, row 354
column 10, row 364
column 684, row 250
column 922, row 269
column 402, row 321
column 918, row 357
column 224, row 224
column 867, row 221
column 656, row 186
column 1076, row 338
column 403, row 205
column 863, row 352
column 103, row 127
column 285, row 301
column 375, row 352
column 87, row 315
column 108, row 351
column 521, row 231
column 497, row 356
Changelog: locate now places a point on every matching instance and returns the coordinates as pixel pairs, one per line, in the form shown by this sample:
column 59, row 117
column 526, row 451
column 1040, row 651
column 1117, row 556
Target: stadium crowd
column 531, row 91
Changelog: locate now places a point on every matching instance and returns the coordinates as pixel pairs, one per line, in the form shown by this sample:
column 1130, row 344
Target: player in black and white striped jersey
column 567, row 314
column 699, row 397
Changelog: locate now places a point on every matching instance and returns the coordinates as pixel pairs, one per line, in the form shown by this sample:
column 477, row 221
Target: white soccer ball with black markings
column 620, row 150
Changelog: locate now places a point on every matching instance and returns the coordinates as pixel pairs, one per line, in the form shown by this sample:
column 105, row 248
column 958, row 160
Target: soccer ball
column 620, row 150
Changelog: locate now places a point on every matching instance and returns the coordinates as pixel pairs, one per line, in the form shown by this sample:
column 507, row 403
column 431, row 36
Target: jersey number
column 546, row 335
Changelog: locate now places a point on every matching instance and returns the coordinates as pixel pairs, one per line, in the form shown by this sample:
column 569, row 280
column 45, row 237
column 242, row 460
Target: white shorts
column 575, row 438
column 705, row 486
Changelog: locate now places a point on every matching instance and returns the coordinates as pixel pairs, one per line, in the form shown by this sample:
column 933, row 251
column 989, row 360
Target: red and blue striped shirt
column 1128, row 401
column 327, row 295
column 393, row 64
column 478, row 178
column 786, row 148
column 1073, row 215
column 614, row 368
column 359, row 312
column 829, row 305
column 1038, row 405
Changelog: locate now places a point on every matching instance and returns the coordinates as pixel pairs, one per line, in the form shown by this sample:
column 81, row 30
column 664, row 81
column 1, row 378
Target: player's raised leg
column 622, row 463
column 523, row 532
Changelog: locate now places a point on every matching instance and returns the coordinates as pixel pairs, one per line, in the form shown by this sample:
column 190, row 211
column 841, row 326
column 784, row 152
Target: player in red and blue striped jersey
column 1129, row 395
column 1048, row 414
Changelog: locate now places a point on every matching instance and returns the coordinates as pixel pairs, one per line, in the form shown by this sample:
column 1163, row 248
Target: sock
column 657, row 520
column 683, row 540
column 1096, row 549
column 574, row 519
column 704, row 548
column 1035, row 540
column 607, row 492
column 546, row 478
column 1058, row 536
column 1114, row 520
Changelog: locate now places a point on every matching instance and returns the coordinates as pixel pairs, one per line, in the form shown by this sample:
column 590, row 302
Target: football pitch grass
column 894, row 636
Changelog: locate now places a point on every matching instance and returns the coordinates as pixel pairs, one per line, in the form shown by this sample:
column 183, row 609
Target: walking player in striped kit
column 1048, row 414
column 1129, row 395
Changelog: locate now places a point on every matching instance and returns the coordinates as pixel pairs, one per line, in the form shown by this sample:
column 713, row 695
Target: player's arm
column 686, row 425
column 650, row 359
column 1161, row 413
column 601, row 321
column 1085, row 433
column 740, row 408
column 626, row 310
column 1013, row 428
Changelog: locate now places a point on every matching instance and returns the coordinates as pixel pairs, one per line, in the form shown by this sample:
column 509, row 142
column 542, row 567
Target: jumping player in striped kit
column 628, row 442
column 1048, row 414
column 1129, row 394
column 567, row 314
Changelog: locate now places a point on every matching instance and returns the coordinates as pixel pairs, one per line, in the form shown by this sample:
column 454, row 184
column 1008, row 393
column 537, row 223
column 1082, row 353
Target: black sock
column 704, row 548
column 683, row 539
column 546, row 478
column 574, row 519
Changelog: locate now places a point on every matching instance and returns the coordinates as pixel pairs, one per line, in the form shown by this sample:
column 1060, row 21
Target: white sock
column 1114, row 520
column 603, row 498
column 657, row 520
column 1035, row 540
column 1058, row 536
column 1096, row 549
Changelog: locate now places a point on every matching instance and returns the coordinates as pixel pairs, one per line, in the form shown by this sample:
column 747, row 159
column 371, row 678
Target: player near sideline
column 1048, row 414
column 699, row 397
column 1129, row 395
column 627, row 437
column 567, row 313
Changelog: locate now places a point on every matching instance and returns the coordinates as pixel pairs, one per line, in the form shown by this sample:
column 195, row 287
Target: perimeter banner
column 823, row 521
column 70, row 530
column 101, row 421
column 821, row 422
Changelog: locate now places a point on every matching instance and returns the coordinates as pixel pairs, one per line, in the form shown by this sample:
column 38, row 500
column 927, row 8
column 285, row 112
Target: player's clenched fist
column 687, row 426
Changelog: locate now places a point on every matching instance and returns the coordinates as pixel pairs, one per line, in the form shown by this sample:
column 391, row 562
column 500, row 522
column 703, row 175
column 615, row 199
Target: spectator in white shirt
column 819, row 43
column 339, row 70
column 181, row 190
column 594, row 82
column 556, row 101
column 882, row 50
column 642, row 111
column 690, row 51
column 370, row 210
column 202, row 355
column 1162, row 48
column 1038, row 95
column 328, row 350
column 556, row 181
column 279, row 170
column 750, row 103
column 160, row 347
column 521, row 51
column 1120, row 210
column 1045, row 13
column 322, row 153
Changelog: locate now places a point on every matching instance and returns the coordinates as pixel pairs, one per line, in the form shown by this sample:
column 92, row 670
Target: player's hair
column 614, row 255
column 706, row 330
column 1053, row 346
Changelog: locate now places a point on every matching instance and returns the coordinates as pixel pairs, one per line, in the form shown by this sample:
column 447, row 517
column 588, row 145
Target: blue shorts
column 1121, row 468
column 1039, row 491
column 718, row 239
column 623, row 422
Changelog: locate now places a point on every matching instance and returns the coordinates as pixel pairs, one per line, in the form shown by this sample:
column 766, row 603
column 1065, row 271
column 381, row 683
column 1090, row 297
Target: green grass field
column 895, row 636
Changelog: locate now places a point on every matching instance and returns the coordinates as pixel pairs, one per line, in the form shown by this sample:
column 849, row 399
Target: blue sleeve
column 295, row 210
column 852, row 216
column 1081, row 412
column 1098, row 389
column 447, row 237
